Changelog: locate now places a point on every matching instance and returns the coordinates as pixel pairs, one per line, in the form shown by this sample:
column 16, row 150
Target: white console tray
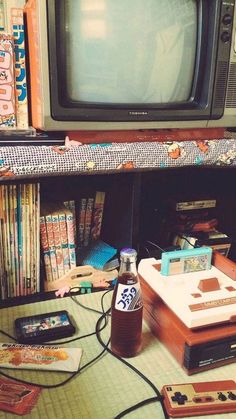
column 181, row 294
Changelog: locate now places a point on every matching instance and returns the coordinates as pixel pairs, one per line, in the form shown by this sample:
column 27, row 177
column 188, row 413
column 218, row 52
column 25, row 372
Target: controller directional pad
column 179, row 397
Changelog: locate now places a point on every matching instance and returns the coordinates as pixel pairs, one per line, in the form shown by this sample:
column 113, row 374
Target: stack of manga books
column 19, row 240
column 66, row 228
column 57, row 236
column 90, row 216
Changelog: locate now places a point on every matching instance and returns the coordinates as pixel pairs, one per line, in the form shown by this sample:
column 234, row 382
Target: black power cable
column 74, row 374
column 100, row 325
column 158, row 396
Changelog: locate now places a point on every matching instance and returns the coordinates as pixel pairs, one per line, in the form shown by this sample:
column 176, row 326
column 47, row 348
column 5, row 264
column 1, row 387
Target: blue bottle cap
column 128, row 253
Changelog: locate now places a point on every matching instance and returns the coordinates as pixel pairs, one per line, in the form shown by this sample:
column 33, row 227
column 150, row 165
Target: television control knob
column 225, row 37
column 222, row 397
column 227, row 19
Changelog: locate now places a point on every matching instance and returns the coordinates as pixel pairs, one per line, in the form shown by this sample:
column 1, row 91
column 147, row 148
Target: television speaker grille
column 221, row 78
column 231, row 91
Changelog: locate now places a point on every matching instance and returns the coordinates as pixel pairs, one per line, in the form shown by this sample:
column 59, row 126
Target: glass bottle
column 127, row 308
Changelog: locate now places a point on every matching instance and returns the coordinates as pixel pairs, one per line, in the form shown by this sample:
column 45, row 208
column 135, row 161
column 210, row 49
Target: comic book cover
column 12, row 22
column 7, row 82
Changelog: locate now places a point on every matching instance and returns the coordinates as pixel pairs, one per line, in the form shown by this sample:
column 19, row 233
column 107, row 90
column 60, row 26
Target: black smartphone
column 44, row 327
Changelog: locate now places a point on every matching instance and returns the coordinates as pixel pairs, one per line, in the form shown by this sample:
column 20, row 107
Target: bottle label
column 128, row 297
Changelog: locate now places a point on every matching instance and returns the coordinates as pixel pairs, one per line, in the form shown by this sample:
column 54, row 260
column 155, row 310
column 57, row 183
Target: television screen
column 127, row 51
column 132, row 64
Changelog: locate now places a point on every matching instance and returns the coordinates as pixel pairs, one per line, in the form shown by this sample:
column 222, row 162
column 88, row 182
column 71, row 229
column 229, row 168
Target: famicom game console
column 200, row 297
column 196, row 349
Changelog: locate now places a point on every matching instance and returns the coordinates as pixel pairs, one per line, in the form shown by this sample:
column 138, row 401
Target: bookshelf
column 137, row 179
column 119, row 210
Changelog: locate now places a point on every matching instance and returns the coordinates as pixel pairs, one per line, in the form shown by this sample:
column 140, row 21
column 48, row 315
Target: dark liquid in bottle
column 126, row 326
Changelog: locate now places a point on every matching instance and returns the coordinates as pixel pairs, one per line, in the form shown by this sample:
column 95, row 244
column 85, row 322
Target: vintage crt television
column 132, row 64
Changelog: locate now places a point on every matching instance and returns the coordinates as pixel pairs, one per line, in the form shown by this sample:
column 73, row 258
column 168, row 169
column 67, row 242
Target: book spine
column 16, row 245
column 2, row 17
column 20, row 237
column 37, row 237
column 28, row 237
column 7, row 83
column 34, row 239
column 45, row 248
column 8, row 241
column 71, row 240
column 5, row 239
column 70, row 205
column 6, row 247
column 88, row 220
column 18, row 31
column 3, row 289
column 12, row 239
column 24, row 239
column 81, row 223
column 97, row 215
column 51, row 245
column 64, row 241
column 58, row 244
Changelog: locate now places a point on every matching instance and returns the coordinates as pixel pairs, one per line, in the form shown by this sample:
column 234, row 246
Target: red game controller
column 191, row 399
